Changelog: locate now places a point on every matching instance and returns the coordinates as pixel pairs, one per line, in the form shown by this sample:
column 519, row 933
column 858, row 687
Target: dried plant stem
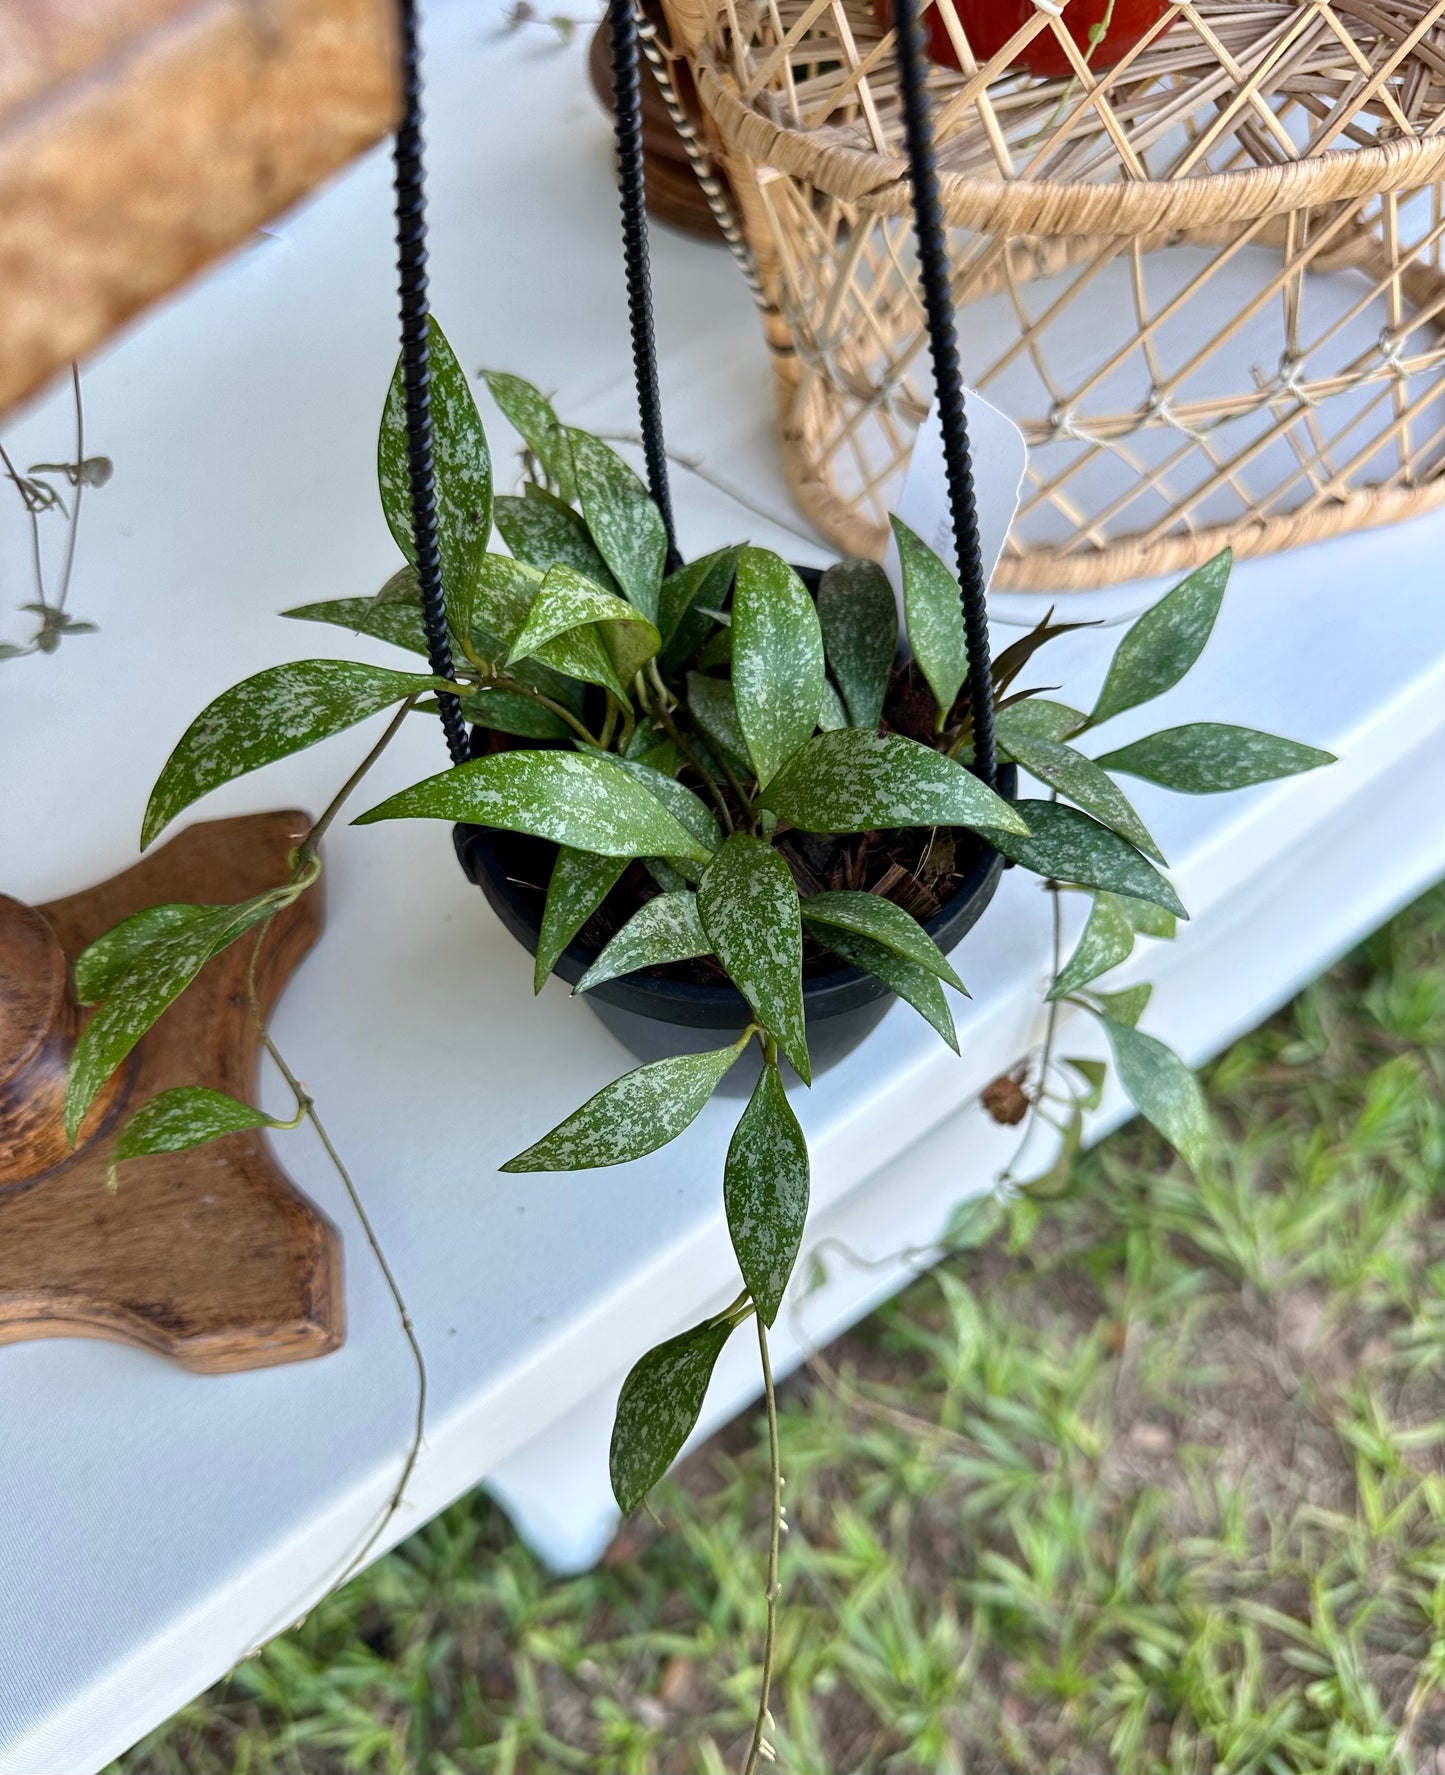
column 69, row 561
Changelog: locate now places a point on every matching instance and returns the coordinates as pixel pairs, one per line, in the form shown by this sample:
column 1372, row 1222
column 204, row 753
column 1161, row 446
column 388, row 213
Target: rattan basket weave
column 1207, row 281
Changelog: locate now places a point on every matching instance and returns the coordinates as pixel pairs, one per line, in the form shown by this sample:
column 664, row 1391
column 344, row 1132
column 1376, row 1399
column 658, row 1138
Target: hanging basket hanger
column 938, row 310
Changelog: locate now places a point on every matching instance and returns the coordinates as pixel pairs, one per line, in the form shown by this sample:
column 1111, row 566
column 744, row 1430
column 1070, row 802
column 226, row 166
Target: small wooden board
column 210, row 1257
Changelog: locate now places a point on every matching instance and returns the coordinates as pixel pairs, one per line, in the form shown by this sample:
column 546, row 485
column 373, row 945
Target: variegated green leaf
column 530, row 413
column 765, row 1192
column 914, row 985
column 1066, row 845
column 185, row 1117
column 634, row 1115
column 658, row 1407
column 831, row 713
column 626, row 526
column 1165, row 642
column 1163, row 1089
column 882, row 921
column 463, row 476
column 566, row 601
column 1148, row 920
column 138, row 993
column 279, row 711
column 683, row 625
column 400, row 624
column 1108, row 939
column 544, row 532
column 102, row 963
column 662, row 930
column 1035, row 717
column 933, row 616
column 1127, row 1005
column 506, row 593
column 1208, row 757
column 688, row 809
column 777, row 660
column 712, row 706
column 580, row 882
column 582, row 799
column 749, row 906
column 1079, row 778
column 857, row 781
column 859, row 618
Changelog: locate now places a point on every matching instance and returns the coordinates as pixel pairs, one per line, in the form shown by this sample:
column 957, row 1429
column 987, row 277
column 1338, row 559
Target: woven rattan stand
column 1248, row 199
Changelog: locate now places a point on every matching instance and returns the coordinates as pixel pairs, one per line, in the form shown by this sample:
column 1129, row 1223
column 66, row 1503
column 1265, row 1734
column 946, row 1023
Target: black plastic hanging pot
column 660, row 994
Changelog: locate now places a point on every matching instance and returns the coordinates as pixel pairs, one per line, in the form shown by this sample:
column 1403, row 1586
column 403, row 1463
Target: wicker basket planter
column 1206, row 281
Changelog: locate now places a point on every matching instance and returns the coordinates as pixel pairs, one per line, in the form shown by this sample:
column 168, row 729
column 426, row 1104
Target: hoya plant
column 716, row 773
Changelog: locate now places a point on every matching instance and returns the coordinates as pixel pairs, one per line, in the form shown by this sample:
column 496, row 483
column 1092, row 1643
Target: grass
column 1154, row 1480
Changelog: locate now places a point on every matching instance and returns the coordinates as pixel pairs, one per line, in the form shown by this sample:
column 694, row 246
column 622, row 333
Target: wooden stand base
column 210, row 1257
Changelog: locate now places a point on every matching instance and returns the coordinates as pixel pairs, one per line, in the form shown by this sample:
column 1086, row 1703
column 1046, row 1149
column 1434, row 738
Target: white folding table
column 159, row 1525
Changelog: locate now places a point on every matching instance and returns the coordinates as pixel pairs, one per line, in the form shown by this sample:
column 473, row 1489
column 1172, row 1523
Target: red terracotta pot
column 990, row 23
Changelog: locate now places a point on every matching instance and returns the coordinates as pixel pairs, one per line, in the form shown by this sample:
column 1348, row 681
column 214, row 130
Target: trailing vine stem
column 311, row 843
column 308, row 1107
column 775, row 1470
column 660, row 710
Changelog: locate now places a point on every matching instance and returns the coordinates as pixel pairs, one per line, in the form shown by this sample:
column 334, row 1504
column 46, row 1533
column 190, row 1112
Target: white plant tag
column 999, row 455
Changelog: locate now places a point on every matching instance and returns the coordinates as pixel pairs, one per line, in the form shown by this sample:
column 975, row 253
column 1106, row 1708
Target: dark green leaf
column 583, row 799
column 1165, row 642
column 857, row 781
column 400, row 624
column 765, row 1190
column 658, row 1407
column 530, row 413
column 860, row 635
column 580, row 882
column 914, row 985
column 1085, row 783
column 566, row 601
column 506, row 711
column 1208, row 757
column 633, row 1116
column 684, row 627
column 1163, row 1089
column 1035, row 717
column 544, row 532
column 625, row 524
column 882, row 921
column 279, row 711
column 463, row 477
column 1066, row 845
column 662, row 930
column 1108, row 939
column 179, row 1119
column 933, row 616
column 749, row 906
column 711, row 704
column 777, row 660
